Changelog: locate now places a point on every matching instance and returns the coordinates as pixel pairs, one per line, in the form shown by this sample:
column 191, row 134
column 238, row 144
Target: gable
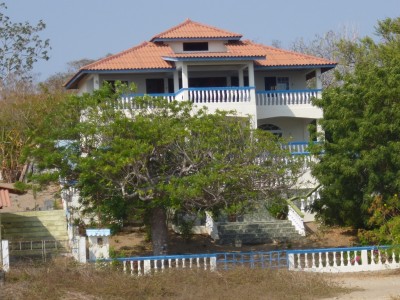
column 194, row 30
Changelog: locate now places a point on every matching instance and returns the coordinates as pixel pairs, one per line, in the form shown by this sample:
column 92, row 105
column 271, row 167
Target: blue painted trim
column 196, row 39
column 140, row 258
column 288, row 91
column 98, row 232
column 225, row 88
column 300, row 153
column 293, row 67
column 167, row 58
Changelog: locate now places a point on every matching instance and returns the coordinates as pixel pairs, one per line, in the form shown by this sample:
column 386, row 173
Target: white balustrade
column 149, row 265
column 219, row 95
column 357, row 259
column 297, row 220
column 287, row 97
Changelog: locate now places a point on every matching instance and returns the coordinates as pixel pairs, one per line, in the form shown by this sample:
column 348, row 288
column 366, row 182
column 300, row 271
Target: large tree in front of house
column 360, row 164
column 156, row 156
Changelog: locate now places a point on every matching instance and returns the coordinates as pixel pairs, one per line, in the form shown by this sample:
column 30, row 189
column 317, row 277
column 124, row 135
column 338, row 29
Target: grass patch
column 67, row 280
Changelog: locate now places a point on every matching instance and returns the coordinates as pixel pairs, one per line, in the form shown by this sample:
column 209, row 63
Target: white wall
column 294, row 129
column 213, row 46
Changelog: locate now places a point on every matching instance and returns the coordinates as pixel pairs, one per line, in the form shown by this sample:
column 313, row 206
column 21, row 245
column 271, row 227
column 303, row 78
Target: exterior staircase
column 257, row 232
column 35, row 233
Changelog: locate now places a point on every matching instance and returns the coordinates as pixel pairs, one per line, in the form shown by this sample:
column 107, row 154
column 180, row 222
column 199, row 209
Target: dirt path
column 370, row 285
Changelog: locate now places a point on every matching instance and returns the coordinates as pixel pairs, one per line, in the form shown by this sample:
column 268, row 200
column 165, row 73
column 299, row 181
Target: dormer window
column 199, row 46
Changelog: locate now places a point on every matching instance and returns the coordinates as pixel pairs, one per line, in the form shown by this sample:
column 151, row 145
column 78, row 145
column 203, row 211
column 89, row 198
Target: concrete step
column 257, row 232
column 34, row 225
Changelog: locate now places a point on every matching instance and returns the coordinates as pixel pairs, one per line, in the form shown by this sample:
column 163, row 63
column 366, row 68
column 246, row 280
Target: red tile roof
column 155, row 55
column 279, row 57
column 194, row 30
column 147, row 55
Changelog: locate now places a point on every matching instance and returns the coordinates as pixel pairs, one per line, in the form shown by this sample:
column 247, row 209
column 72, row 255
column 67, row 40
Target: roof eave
column 229, row 58
column 326, row 67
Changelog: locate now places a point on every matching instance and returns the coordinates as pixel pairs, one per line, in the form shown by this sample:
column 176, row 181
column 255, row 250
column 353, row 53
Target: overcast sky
column 93, row 28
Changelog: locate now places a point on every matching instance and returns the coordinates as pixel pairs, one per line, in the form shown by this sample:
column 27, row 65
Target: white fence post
column 6, row 255
column 82, row 249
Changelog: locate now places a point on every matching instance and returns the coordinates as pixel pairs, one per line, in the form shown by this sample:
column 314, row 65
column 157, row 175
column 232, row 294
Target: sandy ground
column 370, row 285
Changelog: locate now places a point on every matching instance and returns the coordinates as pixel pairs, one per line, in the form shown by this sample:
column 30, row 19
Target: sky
column 94, row 28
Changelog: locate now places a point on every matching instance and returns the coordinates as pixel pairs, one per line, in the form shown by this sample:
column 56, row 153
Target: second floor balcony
column 245, row 101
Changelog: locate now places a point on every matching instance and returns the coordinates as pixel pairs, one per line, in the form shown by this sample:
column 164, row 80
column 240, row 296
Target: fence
column 338, row 260
column 212, row 262
column 329, row 260
column 41, row 249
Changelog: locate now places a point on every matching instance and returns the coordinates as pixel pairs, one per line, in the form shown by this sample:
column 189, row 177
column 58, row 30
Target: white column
column 176, row 81
column 241, row 77
column 166, row 90
column 318, row 78
column 252, row 95
column 185, row 81
column 96, row 82
column 185, row 76
column 251, row 74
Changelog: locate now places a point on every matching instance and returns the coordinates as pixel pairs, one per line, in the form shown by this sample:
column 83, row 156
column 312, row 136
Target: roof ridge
column 189, row 21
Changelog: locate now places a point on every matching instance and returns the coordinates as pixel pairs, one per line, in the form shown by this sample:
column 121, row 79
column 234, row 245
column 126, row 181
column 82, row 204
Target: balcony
column 245, row 101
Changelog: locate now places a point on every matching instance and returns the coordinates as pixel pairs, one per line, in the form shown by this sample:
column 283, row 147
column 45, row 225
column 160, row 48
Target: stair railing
column 295, row 214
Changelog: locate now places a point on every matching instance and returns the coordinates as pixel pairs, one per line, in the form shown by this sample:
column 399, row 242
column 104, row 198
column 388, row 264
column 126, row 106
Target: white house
column 218, row 69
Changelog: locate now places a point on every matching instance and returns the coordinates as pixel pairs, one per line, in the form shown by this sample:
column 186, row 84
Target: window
column 155, row 86
column 276, row 83
column 275, row 130
column 235, row 81
column 203, row 46
column 282, row 83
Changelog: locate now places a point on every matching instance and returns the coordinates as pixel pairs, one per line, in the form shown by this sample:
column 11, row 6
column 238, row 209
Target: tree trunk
column 159, row 231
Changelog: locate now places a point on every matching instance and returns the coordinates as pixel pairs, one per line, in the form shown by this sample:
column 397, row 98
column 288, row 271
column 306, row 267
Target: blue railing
column 353, row 259
column 263, row 260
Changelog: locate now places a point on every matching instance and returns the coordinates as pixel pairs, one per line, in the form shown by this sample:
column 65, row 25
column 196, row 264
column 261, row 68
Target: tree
column 333, row 45
column 21, row 47
column 361, row 161
column 160, row 156
column 22, row 116
column 55, row 82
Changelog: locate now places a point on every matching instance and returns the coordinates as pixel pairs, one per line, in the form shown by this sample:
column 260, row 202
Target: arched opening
column 275, row 130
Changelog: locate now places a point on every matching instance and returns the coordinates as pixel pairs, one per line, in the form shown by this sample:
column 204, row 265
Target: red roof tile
column 279, row 57
column 147, row 55
column 154, row 54
column 194, row 30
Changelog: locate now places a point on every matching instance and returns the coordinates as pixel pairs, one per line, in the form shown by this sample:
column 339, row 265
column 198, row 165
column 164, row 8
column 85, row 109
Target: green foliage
column 162, row 154
column 21, row 46
column 362, row 123
column 22, row 186
column 186, row 229
column 278, row 209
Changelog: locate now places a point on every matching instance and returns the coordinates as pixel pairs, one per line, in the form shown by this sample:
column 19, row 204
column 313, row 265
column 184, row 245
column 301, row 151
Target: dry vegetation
column 65, row 280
